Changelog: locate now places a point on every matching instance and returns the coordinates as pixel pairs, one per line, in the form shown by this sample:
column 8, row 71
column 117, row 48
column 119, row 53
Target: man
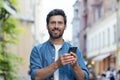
column 51, row 60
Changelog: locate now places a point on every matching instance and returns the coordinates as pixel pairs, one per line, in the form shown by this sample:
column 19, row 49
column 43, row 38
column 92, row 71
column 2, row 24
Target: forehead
column 56, row 18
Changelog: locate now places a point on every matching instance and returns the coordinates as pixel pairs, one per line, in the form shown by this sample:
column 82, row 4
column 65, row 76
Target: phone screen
column 72, row 49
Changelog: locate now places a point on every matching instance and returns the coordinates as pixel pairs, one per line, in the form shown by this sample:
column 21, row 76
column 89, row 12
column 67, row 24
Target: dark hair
column 56, row 12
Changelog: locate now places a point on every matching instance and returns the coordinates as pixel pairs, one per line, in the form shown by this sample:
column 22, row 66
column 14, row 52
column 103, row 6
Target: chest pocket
column 47, row 59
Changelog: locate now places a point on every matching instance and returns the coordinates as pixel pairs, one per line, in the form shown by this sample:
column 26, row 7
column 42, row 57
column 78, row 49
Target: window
column 115, row 33
column 108, row 33
column 97, row 12
column 106, row 37
column 102, row 39
column 99, row 41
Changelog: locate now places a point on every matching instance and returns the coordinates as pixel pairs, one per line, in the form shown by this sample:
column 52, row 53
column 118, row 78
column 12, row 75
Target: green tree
column 8, row 35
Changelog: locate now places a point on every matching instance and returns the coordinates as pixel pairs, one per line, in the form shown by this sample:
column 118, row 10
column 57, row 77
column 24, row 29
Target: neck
column 58, row 41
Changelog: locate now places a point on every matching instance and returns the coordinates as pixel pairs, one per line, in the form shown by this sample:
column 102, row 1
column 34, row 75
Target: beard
column 57, row 35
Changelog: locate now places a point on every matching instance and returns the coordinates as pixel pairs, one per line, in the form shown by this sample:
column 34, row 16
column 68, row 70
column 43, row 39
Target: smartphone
column 72, row 49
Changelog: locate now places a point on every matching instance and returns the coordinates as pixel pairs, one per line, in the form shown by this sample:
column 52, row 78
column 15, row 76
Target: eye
column 52, row 23
column 60, row 23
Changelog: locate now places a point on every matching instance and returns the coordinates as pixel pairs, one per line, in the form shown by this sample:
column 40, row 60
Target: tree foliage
column 9, row 35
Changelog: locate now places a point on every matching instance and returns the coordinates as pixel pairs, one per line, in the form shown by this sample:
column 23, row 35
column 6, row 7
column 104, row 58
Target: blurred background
column 93, row 26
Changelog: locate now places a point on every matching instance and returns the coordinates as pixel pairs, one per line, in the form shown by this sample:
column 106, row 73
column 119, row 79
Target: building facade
column 28, row 16
column 84, row 21
column 102, row 34
column 101, row 43
column 26, row 42
column 76, row 24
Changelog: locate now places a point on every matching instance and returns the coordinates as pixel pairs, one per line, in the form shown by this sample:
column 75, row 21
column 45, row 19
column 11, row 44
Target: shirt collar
column 49, row 42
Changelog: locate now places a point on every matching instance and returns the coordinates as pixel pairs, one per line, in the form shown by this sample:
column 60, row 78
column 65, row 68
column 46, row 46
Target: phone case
column 72, row 49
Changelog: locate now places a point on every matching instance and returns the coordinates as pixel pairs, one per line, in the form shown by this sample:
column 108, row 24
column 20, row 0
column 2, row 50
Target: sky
column 66, row 5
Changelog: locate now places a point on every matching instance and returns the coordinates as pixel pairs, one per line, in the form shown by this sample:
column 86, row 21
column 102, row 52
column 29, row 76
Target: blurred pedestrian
column 114, row 73
column 103, row 76
column 112, row 77
column 92, row 75
column 108, row 73
column 118, row 75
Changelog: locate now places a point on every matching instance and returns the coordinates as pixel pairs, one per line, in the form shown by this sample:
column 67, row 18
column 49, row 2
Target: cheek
column 49, row 28
column 62, row 27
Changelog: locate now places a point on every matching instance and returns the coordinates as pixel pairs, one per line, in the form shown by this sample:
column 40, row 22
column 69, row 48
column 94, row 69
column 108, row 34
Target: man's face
column 56, row 26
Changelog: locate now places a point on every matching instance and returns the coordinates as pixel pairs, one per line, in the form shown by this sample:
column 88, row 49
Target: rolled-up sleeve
column 82, row 65
column 35, row 62
column 86, row 75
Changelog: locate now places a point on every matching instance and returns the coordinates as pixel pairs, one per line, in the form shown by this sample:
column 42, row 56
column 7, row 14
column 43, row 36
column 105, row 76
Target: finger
column 73, row 54
column 68, row 57
column 67, row 54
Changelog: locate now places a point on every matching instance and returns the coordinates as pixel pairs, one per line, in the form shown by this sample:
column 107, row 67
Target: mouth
column 55, row 31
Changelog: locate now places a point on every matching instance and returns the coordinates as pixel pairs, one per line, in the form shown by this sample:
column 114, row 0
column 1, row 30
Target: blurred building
column 76, row 24
column 83, row 20
column 102, row 34
column 28, row 15
column 99, row 32
column 79, row 25
column 117, row 9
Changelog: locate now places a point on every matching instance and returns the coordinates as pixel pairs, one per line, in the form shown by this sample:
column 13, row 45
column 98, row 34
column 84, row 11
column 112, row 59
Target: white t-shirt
column 56, row 73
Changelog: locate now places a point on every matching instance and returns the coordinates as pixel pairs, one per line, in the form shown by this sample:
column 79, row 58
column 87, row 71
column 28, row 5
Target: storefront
column 103, row 61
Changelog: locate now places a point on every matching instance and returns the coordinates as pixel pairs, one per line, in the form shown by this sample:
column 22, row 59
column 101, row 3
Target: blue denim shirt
column 44, row 54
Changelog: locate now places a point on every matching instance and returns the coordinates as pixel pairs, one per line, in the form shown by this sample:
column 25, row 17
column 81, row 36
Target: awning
column 101, row 57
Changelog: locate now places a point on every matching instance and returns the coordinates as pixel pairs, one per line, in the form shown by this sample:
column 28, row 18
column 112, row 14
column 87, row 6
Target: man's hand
column 68, row 58
column 74, row 61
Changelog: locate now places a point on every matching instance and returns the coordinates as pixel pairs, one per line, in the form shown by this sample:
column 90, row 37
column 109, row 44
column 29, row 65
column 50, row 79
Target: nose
column 56, row 25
